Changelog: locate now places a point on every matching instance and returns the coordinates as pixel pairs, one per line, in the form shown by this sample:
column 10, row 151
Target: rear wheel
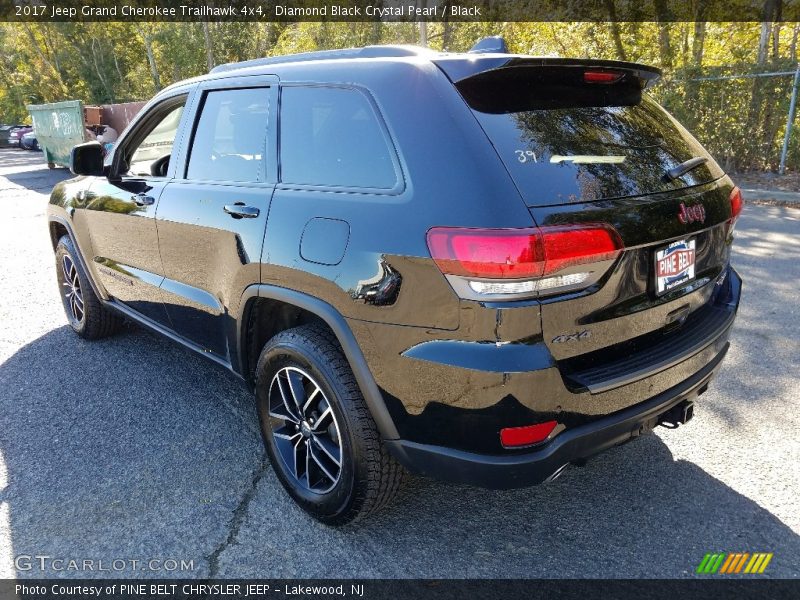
column 319, row 434
column 85, row 313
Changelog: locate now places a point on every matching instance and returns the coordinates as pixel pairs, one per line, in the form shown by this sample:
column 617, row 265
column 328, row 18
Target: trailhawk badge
column 674, row 265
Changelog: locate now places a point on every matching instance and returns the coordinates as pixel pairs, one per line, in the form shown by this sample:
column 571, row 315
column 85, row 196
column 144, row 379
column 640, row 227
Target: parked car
column 8, row 135
column 29, row 141
column 480, row 267
column 15, row 136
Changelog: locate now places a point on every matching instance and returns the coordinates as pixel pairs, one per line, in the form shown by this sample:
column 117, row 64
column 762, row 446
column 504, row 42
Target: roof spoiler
column 459, row 69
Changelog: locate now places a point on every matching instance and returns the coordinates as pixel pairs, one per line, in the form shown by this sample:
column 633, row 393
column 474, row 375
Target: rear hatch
column 584, row 144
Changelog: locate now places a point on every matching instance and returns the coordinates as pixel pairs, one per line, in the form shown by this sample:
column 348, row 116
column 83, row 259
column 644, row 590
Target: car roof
column 456, row 65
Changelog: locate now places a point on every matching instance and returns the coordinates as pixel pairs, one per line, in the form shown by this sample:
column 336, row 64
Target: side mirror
column 87, row 159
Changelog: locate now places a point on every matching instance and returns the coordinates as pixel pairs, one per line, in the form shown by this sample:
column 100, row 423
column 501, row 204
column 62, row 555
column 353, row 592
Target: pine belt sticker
column 674, row 265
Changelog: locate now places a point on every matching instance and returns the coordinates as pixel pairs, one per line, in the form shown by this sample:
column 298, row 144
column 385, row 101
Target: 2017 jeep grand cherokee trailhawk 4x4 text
column 482, row 267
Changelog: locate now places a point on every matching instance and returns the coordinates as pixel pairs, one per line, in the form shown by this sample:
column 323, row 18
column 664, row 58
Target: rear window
column 568, row 142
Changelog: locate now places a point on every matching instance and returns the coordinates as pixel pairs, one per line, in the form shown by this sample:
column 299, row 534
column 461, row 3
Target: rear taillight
column 518, row 437
column 491, row 253
column 510, row 263
column 737, row 204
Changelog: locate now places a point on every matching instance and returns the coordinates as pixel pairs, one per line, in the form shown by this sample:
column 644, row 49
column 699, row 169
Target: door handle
column 143, row 199
column 240, row 211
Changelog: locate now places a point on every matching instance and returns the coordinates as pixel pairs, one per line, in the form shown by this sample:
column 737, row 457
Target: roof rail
column 365, row 52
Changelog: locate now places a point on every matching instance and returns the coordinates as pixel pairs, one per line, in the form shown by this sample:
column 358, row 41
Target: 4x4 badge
column 572, row 337
column 690, row 214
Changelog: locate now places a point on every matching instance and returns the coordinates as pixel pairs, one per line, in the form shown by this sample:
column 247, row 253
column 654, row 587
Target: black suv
column 481, row 267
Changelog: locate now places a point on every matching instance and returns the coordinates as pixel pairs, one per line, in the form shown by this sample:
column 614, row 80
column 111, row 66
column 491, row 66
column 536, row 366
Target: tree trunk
column 151, row 59
column 698, row 43
column 615, row 33
column 209, row 47
column 40, row 52
column 99, row 71
column 684, row 44
column 776, row 36
column 763, row 43
column 375, row 36
column 664, row 46
column 447, row 34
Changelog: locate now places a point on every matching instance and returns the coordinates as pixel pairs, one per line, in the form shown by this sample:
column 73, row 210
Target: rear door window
column 331, row 136
column 563, row 142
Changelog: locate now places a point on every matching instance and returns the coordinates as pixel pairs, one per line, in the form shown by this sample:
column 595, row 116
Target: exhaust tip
column 557, row 473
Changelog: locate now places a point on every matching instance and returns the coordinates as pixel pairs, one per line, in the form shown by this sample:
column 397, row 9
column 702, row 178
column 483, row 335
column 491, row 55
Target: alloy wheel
column 72, row 288
column 305, row 430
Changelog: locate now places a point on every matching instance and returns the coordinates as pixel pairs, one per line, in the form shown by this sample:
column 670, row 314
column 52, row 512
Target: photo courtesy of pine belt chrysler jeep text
column 481, row 267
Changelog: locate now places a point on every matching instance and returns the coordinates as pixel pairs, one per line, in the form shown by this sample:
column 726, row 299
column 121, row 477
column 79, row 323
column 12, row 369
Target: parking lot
column 134, row 449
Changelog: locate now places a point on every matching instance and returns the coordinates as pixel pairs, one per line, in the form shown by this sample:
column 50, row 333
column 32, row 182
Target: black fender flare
column 338, row 324
column 66, row 224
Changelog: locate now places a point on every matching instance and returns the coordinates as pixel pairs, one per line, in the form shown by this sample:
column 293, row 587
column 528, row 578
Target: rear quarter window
column 331, row 137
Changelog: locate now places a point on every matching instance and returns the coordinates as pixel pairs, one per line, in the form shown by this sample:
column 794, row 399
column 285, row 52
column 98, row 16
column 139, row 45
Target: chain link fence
column 739, row 115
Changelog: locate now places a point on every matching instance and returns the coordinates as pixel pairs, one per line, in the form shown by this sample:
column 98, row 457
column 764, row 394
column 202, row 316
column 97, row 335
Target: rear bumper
column 576, row 443
column 572, row 445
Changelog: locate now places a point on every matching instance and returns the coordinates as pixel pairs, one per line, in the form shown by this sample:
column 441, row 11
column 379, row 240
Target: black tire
column 368, row 476
column 85, row 312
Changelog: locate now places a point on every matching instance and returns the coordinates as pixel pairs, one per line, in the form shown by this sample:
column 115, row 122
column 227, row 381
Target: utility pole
column 789, row 121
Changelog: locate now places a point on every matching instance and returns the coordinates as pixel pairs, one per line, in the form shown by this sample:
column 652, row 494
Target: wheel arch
column 58, row 227
column 261, row 297
column 57, row 230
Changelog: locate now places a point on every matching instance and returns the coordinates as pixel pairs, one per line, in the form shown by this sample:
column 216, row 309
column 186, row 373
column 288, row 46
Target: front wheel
column 320, row 437
column 85, row 313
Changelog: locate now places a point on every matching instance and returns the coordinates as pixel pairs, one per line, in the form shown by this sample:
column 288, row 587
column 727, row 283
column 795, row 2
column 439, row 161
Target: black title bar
column 718, row 588
column 399, row 10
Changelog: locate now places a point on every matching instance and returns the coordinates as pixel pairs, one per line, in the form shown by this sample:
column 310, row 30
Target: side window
column 231, row 136
column 151, row 156
column 331, row 136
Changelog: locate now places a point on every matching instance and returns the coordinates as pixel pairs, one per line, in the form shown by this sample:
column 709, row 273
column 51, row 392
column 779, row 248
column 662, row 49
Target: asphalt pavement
column 133, row 449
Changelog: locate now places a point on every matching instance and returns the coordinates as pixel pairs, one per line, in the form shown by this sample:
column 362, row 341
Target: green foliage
column 742, row 121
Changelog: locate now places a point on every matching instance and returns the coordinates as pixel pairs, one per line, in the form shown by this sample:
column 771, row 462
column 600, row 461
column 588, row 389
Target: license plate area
column 674, row 265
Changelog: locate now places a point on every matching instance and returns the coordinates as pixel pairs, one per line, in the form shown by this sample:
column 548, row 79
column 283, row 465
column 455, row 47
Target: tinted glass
column 331, row 136
column 587, row 145
column 231, row 137
column 156, row 144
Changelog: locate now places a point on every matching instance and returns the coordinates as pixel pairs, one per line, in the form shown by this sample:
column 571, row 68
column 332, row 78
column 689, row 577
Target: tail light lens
column 537, row 260
column 737, row 204
column 518, row 437
column 491, row 253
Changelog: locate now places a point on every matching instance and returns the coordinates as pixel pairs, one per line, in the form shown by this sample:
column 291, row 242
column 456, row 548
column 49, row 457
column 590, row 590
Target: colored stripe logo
column 734, row 562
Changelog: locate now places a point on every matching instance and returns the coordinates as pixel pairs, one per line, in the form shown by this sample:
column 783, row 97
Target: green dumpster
column 58, row 126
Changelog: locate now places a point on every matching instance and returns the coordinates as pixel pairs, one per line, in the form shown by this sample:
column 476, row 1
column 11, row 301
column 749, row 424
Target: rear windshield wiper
column 684, row 168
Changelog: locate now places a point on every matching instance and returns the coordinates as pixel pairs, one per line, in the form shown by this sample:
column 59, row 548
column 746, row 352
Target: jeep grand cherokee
column 481, row 267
